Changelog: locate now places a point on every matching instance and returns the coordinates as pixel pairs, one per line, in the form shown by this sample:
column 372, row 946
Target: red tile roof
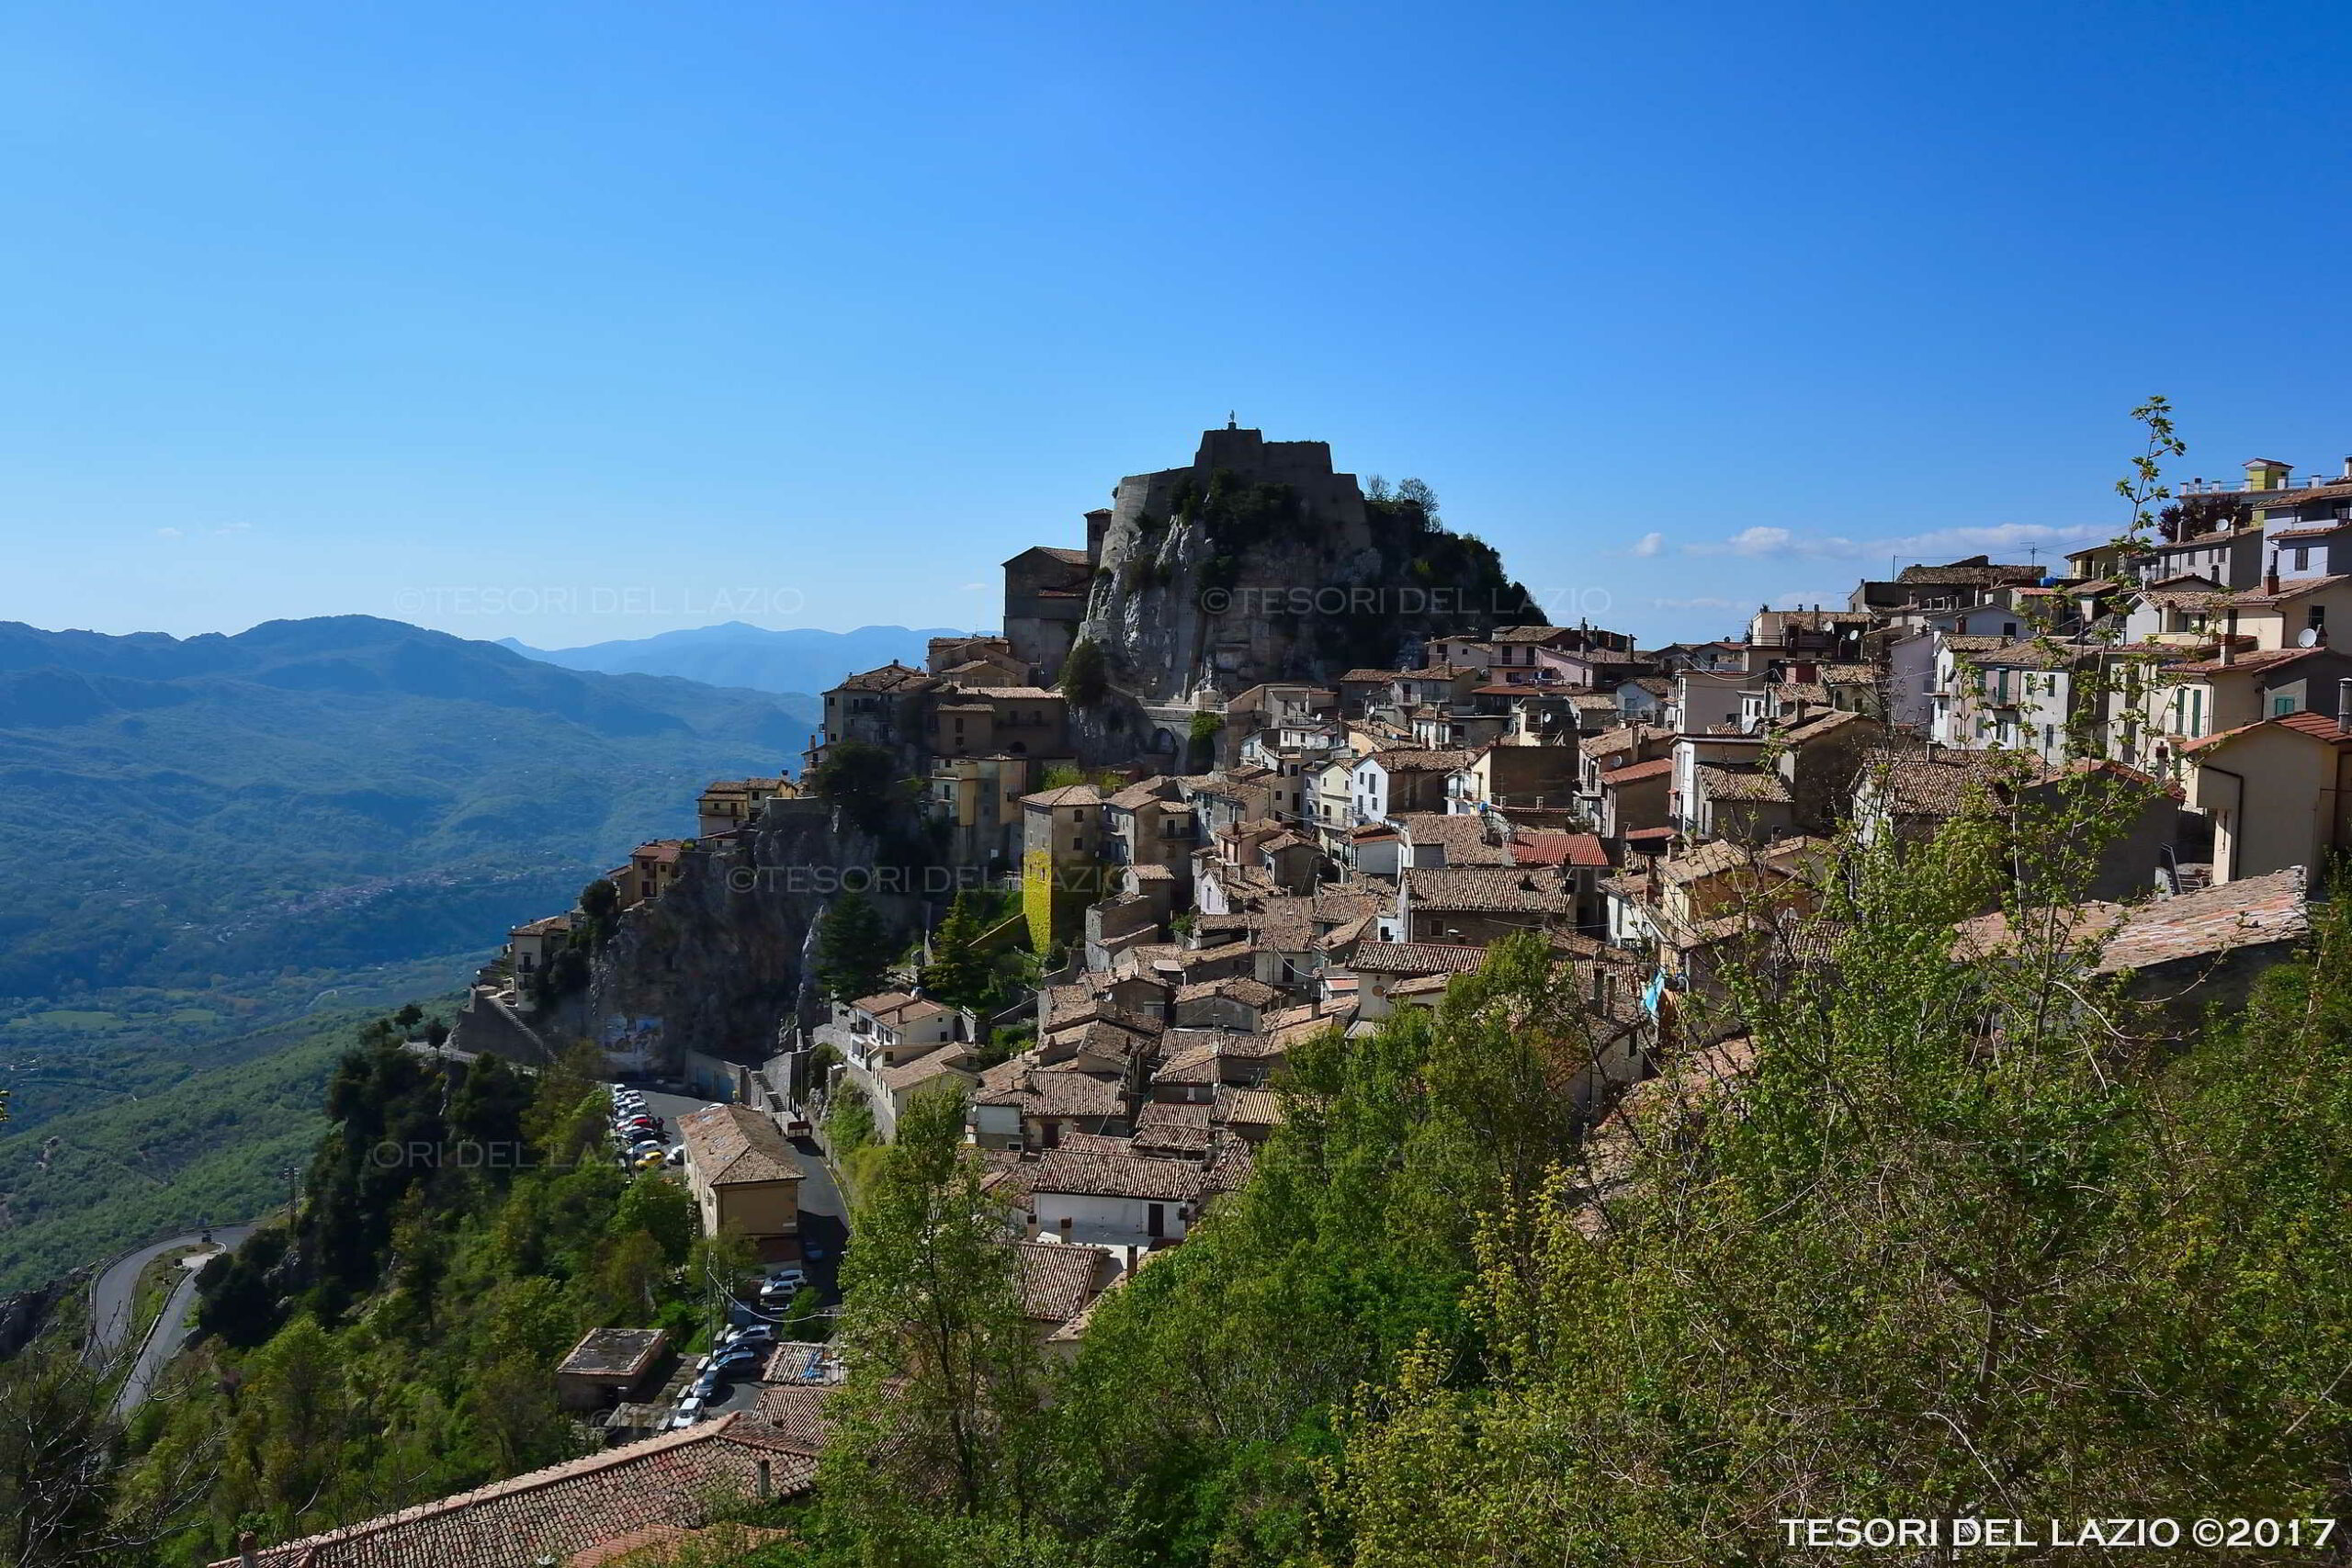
column 675, row 1479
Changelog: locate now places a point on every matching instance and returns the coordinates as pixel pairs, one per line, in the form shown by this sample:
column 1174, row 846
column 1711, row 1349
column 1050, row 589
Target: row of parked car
column 740, row 1353
column 638, row 1134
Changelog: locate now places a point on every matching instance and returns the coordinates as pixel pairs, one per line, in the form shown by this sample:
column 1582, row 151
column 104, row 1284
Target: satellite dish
column 2307, row 638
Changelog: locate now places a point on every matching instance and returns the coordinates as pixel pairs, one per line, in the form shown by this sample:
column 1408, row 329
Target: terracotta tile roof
column 2314, row 726
column 1240, row 988
column 2267, row 499
column 1975, row 644
column 1525, row 889
column 2250, row 660
column 1076, row 1175
column 1145, row 792
column 2317, row 531
column 1068, row 795
column 1055, row 1279
column 2253, row 911
column 891, row 677
column 1624, row 738
column 898, row 1009
column 1230, row 1169
column 1813, row 727
column 1249, row 1107
column 1050, row 1091
column 1416, row 958
column 1915, row 784
column 1415, row 761
column 946, row 1061
column 567, row 1508
column 2294, row 589
column 1634, row 773
column 1722, row 783
column 1559, row 849
column 1526, row 634
column 798, row 1410
column 1975, row 572
column 1710, row 858
column 1173, row 1127
column 729, row 1144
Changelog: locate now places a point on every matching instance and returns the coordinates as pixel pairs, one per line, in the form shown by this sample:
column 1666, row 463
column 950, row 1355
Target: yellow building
column 744, row 1178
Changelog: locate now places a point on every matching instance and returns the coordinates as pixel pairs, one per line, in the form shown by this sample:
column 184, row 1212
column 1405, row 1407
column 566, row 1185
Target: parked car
column 728, row 1363
column 678, row 1155
column 750, row 1333
column 689, row 1411
column 648, row 1162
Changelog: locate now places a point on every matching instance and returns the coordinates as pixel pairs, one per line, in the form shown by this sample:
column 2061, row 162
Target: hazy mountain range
column 210, row 831
column 736, row 654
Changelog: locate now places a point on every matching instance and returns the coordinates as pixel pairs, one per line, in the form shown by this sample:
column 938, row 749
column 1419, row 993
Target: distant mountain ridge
column 738, row 654
column 324, row 795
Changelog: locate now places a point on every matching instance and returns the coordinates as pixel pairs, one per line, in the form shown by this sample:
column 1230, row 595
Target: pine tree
column 855, row 949
column 960, row 974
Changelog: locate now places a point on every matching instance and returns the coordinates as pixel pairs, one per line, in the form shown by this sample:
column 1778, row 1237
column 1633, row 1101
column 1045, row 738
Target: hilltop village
column 1189, row 809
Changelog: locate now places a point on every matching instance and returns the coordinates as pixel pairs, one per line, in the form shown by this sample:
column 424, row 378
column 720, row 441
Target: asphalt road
column 111, row 1292
column 112, row 1301
column 824, row 1230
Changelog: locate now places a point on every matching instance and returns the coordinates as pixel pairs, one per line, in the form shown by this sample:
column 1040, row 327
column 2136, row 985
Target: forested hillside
column 214, row 831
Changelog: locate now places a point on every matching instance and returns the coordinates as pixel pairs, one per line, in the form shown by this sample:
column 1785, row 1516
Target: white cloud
column 1999, row 537
column 1650, row 545
column 1761, row 541
column 972, row 588
column 169, row 534
column 232, row 529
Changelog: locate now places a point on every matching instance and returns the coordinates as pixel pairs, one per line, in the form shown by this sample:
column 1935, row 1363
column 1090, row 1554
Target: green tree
column 1085, row 677
column 861, row 781
column 960, row 972
column 945, row 1383
column 854, row 948
column 660, row 1208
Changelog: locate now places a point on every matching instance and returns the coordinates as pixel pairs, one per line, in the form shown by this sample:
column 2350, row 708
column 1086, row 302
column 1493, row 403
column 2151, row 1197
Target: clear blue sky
column 810, row 314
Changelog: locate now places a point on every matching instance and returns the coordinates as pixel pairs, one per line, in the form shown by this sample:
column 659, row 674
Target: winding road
column 113, row 1299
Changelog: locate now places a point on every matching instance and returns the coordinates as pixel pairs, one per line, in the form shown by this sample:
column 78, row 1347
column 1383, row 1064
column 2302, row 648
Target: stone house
column 610, row 1366
column 1044, row 600
column 744, row 1178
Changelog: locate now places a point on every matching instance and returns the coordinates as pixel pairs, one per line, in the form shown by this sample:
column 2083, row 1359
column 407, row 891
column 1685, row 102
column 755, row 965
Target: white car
column 785, row 1281
column 689, row 1411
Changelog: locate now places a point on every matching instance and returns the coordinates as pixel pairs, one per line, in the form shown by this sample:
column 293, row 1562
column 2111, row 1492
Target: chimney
column 245, row 1544
column 2347, row 470
column 2270, row 576
column 2344, row 705
column 2230, row 637
column 767, row 1479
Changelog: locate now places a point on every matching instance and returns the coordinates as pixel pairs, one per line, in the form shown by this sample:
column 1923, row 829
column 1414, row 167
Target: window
column 2317, row 618
column 2302, row 558
column 2281, row 704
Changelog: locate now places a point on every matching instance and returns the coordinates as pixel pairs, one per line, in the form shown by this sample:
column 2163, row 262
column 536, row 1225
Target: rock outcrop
column 1258, row 563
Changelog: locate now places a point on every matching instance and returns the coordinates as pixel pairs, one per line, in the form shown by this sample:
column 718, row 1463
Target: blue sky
column 595, row 320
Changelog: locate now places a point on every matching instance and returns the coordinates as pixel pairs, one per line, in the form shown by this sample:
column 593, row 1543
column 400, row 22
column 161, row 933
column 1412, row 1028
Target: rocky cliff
column 722, row 958
column 1258, row 563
